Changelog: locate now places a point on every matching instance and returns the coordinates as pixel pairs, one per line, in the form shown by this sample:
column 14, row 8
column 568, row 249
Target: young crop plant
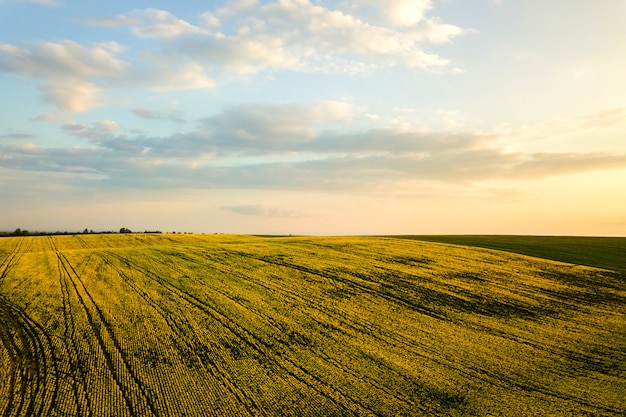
column 220, row 325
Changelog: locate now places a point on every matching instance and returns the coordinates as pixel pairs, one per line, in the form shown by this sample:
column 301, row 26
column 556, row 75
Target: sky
column 324, row 117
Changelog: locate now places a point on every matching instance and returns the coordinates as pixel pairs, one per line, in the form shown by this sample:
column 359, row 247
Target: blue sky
column 316, row 117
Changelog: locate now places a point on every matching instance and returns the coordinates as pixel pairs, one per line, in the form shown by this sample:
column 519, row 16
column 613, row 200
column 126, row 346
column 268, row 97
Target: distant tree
column 18, row 232
column 125, row 230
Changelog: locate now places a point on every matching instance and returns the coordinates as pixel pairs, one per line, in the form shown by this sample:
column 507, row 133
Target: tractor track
column 465, row 367
column 32, row 387
column 256, row 344
column 34, row 374
column 12, row 258
column 355, row 325
column 118, row 365
column 187, row 340
column 76, row 367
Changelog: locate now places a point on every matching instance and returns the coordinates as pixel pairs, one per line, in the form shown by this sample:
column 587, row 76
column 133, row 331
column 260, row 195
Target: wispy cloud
column 286, row 127
column 169, row 115
column 19, row 136
column 571, row 125
column 241, row 38
column 248, row 37
column 269, row 149
column 264, row 211
column 147, row 23
column 72, row 74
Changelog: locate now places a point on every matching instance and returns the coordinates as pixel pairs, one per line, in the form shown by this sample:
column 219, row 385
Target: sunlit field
column 219, row 325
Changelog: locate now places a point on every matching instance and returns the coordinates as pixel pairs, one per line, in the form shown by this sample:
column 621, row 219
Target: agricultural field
column 601, row 252
column 218, row 325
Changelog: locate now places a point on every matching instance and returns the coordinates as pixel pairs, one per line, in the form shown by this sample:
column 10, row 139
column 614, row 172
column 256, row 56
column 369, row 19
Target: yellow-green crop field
column 217, row 325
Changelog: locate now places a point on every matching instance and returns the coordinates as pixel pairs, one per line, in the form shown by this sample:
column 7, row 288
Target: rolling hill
column 219, row 325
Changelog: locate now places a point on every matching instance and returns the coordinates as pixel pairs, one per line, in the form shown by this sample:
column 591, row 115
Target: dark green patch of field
column 599, row 252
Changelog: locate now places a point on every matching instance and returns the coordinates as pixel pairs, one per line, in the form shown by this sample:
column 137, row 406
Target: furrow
column 273, row 323
column 75, row 369
column 257, row 344
column 186, row 337
column 31, row 376
column 11, row 259
column 97, row 323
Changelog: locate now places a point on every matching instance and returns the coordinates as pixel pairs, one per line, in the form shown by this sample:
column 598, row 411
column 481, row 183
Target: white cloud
column 163, row 77
column 241, row 54
column 404, row 12
column 148, row 23
column 436, row 32
column 72, row 95
column 73, row 74
column 66, row 59
column 209, row 20
column 233, row 7
column 394, row 13
column 259, row 127
column 162, row 24
column 109, row 125
column 338, row 37
column 295, row 35
column 244, row 37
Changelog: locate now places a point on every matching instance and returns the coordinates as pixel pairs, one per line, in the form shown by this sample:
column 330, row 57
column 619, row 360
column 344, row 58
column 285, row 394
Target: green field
column 218, row 325
column 600, row 252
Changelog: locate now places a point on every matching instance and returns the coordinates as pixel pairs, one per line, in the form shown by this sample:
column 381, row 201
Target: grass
column 599, row 252
column 219, row 325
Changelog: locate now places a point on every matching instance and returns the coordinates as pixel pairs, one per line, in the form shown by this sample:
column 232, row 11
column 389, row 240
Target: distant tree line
column 23, row 232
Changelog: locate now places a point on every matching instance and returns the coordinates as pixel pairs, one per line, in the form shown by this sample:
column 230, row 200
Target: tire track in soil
column 125, row 378
column 34, row 376
column 28, row 347
column 407, row 401
column 357, row 324
column 465, row 367
column 11, row 259
column 75, row 370
column 258, row 345
column 360, row 325
column 187, row 339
